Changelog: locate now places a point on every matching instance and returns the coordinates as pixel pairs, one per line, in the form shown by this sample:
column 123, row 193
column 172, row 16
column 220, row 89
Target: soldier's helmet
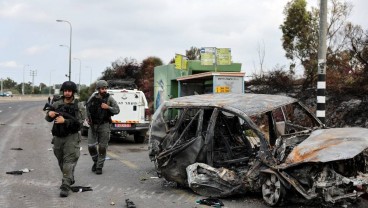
column 69, row 85
column 101, row 83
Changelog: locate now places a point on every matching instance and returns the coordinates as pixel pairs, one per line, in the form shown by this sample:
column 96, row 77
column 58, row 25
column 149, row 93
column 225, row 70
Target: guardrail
column 24, row 98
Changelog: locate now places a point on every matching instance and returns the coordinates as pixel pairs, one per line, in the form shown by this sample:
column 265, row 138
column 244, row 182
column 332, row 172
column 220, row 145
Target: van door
column 128, row 102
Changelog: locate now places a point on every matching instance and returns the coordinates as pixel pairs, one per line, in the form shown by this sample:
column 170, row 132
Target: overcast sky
column 104, row 31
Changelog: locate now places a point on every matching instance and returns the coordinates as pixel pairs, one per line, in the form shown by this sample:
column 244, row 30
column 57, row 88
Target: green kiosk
column 170, row 82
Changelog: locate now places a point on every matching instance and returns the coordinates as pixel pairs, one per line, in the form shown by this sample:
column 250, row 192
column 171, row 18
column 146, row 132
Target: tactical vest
column 97, row 114
column 68, row 112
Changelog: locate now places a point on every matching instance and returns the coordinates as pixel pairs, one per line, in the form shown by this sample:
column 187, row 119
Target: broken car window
column 171, row 116
column 233, row 144
column 296, row 119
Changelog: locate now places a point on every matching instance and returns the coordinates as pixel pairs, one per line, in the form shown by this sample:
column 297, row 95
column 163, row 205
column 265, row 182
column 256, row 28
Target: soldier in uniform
column 68, row 117
column 100, row 108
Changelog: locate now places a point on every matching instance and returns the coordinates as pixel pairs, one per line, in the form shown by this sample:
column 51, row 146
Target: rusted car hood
column 326, row 145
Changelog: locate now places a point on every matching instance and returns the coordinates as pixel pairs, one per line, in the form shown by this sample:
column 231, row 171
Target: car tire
column 84, row 131
column 273, row 191
column 138, row 138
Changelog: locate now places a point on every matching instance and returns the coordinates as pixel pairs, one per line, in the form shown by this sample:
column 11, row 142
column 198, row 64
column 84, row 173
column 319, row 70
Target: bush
column 276, row 80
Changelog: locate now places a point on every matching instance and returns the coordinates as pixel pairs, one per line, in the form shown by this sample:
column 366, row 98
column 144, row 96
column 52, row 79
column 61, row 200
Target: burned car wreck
column 225, row 144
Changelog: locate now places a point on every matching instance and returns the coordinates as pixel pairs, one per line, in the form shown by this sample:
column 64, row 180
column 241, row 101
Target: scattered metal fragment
column 214, row 182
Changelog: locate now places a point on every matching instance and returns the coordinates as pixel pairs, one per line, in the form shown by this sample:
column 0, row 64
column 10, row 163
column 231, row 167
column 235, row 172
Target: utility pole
column 50, row 87
column 1, row 80
column 33, row 73
column 80, row 66
column 322, row 48
column 23, row 79
column 70, row 47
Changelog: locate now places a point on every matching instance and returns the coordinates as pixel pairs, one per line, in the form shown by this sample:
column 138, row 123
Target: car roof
column 250, row 104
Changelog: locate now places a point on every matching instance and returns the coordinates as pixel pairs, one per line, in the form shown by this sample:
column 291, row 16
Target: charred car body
column 225, row 144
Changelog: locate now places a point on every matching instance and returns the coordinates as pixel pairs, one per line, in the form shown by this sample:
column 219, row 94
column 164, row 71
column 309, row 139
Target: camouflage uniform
column 99, row 131
column 67, row 148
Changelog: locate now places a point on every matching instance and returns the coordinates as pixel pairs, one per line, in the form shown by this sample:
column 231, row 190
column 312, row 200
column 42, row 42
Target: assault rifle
column 63, row 130
column 49, row 107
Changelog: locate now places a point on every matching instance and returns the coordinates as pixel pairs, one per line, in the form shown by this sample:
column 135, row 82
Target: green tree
column 146, row 78
column 126, row 68
column 9, row 83
column 300, row 36
column 129, row 69
column 358, row 40
column 27, row 88
column 193, row 53
column 85, row 93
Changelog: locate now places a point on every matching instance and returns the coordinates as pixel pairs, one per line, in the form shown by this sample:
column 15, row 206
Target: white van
column 134, row 114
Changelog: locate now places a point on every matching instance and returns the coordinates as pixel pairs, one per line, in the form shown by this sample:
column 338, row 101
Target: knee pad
column 102, row 149
column 92, row 149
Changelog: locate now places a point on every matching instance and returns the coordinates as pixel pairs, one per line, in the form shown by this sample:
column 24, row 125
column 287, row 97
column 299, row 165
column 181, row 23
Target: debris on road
column 130, row 204
column 26, row 170
column 214, row 202
column 81, row 188
column 16, row 148
column 16, row 172
column 143, row 178
column 19, row 172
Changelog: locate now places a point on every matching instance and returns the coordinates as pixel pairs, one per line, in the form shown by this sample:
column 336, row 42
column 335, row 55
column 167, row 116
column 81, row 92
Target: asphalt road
column 128, row 173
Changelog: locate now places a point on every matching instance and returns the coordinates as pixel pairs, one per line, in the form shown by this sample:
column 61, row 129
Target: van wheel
column 273, row 191
column 84, row 131
column 138, row 138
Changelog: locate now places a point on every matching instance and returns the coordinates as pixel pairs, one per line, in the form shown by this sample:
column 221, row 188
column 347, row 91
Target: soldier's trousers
column 67, row 152
column 98, row 140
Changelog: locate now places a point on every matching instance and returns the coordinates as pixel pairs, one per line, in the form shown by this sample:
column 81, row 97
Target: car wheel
column 273, row 191
column 138, row 138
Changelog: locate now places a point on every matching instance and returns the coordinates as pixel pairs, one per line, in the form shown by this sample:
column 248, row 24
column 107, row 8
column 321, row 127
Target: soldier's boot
column 101, row 159
column 98, row 171
column 94, row 167
column 93, row 152
column 64, row 192
column 71, row 183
